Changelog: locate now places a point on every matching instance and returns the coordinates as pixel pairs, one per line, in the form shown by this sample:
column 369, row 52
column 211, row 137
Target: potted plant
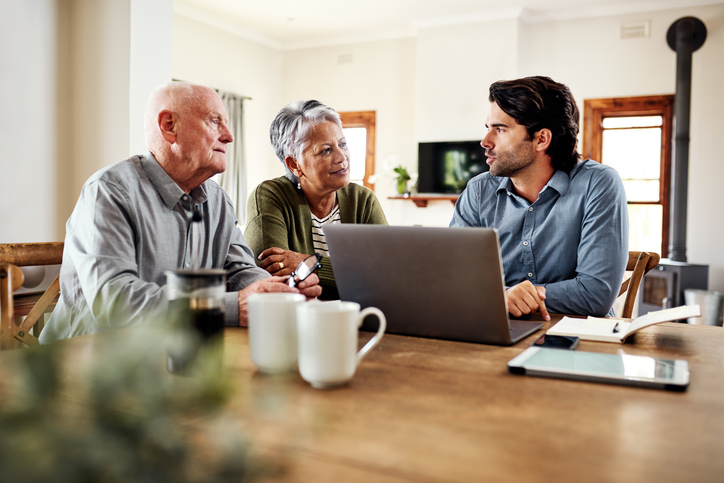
column 402, row 178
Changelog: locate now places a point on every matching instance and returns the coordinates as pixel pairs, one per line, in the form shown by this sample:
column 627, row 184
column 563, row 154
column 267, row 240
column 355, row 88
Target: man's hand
column 526, row 298
column 309, row 288
column 280, row 262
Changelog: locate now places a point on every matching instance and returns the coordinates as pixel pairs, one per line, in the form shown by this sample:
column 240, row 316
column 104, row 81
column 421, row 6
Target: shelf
column 421, row 199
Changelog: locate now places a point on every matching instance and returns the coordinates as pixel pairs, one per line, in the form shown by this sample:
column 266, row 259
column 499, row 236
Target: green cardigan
column 278, row 216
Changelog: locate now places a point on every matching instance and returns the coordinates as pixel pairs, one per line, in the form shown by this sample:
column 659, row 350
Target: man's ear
column 168, row 126
column 293, row 166
column 542, row 139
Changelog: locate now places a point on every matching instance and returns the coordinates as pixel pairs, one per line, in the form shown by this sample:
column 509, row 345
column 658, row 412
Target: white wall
column 151, row 24
column 67, row 101
column 455, row 66
column 213, row 57
column 706, row 158
column 27, row 120
column 119, row 53
column 99, row 72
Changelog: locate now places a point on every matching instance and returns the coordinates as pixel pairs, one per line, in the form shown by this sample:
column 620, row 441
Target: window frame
column 367, row 120
column 595, row 110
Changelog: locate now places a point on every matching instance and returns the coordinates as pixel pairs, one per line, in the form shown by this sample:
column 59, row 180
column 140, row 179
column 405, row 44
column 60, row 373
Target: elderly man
column 563, row 223
column 132, row 223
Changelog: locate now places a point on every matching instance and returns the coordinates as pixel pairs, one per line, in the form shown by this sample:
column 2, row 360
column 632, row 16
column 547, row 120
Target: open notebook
column 618, row 330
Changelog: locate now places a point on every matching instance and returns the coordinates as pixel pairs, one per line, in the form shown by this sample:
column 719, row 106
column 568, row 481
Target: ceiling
column 294, row 24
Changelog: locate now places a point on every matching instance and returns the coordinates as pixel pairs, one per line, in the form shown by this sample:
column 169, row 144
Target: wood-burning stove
column 663, row 287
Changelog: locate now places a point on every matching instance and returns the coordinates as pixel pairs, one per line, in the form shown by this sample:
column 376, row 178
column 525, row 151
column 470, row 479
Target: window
column 359, row 129
column 633, row 134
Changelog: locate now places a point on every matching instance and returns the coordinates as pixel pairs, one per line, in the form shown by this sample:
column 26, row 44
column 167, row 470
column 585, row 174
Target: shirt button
column 530, row 209
column 530, row 275
column 185, row 197
column 525, row 243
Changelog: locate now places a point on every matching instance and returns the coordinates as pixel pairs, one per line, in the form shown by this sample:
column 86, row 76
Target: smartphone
column 556, row 342
column 623, row 369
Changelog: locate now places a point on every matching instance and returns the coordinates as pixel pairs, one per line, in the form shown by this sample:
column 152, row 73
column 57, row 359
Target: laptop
column 442, row 283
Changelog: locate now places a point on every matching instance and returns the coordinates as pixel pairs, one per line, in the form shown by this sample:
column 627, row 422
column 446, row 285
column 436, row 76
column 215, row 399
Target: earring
column 299, row 185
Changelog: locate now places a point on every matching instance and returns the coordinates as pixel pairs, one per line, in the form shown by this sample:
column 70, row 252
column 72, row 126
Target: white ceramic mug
column 328, row 334
column 273, row 331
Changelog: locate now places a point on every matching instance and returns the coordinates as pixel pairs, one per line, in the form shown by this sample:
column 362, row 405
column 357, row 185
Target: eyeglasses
column 305, row 269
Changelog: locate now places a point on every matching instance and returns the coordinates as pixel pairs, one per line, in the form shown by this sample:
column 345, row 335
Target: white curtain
column 233, row 179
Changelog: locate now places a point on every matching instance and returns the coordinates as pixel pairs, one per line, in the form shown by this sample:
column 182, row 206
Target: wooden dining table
column 427, row 410
column 434, row 410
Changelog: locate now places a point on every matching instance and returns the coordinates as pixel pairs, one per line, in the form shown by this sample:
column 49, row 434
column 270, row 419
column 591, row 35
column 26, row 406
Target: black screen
column 446, row 167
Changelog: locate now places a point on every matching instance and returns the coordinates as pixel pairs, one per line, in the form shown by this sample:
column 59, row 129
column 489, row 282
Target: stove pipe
column 685, row 36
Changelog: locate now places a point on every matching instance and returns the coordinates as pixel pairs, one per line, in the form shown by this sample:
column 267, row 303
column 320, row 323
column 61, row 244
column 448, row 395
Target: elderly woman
column 286, row 215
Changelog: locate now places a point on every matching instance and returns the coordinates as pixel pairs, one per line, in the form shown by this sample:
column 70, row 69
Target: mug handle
column 378, row 336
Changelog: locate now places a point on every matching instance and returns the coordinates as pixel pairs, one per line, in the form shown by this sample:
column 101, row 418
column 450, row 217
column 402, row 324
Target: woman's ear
column 293, row 166
column 542, row 139
column 168, row 126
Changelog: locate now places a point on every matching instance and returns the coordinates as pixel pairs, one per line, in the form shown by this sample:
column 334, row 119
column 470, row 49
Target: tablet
column 623, row 369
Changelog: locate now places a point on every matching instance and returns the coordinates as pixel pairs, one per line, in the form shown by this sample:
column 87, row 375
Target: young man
column 563, row 223
column 132, row 222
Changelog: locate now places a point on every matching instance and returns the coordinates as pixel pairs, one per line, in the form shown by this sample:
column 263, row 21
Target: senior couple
column 562, row 222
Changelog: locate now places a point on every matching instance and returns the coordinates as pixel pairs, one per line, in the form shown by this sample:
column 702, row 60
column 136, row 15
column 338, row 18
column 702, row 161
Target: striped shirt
column 320, row 242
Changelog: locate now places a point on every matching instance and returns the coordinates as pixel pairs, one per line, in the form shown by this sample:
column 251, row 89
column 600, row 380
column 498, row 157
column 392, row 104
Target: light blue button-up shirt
column 573, row 240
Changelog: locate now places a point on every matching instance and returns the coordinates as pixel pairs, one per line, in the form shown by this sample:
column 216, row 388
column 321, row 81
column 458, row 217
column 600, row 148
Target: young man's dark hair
column 540, row 102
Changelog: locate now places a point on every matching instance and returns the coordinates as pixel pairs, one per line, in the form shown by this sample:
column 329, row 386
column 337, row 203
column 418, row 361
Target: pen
column 615, row 328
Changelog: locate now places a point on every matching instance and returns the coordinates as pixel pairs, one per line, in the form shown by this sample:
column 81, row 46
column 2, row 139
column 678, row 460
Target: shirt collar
column 170, row 192
column 559, row 182
column 506, row 185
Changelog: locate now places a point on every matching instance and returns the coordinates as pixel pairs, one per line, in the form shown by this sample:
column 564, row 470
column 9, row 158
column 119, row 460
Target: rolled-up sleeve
column 602, row 251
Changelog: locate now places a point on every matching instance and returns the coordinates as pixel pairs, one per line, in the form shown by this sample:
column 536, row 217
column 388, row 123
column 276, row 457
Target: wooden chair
column 12, row 256
column 639, row 264
column 11, row 278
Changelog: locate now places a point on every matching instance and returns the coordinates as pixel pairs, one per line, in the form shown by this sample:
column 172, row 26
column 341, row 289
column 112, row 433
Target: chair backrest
column 639, row 264
column 11, row 278
column 14, row 255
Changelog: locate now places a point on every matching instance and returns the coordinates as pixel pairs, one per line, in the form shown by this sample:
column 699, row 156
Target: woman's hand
column 280, row 262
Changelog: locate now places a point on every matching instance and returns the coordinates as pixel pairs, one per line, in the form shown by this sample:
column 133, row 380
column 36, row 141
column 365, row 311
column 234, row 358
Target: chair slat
column 11, row 278
column 28, row 254
column 639, row 264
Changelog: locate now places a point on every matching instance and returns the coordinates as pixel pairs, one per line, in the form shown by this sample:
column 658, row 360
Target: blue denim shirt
column 573, row 239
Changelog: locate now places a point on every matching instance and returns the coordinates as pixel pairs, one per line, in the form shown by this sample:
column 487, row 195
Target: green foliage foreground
column 114, row 413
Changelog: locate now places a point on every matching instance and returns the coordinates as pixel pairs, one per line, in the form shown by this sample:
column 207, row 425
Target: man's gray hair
column 288, row 131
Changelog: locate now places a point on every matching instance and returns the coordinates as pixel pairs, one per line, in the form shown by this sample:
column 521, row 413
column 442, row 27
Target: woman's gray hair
column 288, row 131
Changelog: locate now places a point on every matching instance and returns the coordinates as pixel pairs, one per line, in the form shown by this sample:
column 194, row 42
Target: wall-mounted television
column 446, row 167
